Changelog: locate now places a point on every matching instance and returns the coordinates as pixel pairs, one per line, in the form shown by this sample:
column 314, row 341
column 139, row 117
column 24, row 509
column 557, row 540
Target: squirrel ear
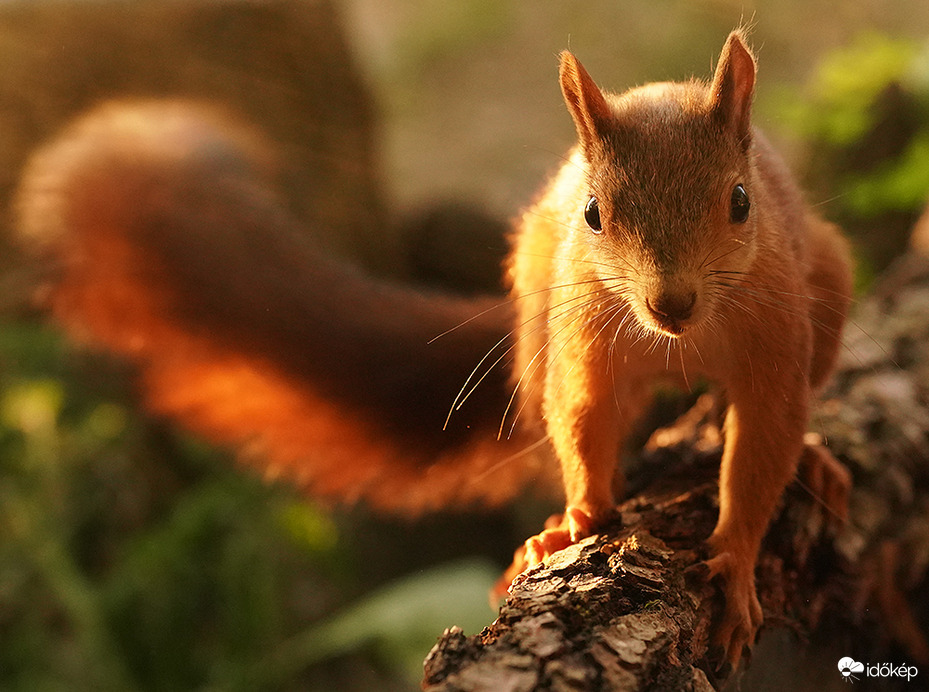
column 591, row 112
column 733, row 86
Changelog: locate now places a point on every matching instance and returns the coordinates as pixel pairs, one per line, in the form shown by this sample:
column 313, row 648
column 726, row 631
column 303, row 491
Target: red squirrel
column 674, row 243
column 671, row 244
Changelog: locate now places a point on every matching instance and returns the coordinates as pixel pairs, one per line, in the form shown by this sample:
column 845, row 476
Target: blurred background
column 410, row 132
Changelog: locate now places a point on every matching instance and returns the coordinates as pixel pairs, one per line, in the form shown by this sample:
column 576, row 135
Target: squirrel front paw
column 742, row 614
column 561, row 530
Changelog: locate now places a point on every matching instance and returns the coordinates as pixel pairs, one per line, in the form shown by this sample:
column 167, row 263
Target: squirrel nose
column 670, row 309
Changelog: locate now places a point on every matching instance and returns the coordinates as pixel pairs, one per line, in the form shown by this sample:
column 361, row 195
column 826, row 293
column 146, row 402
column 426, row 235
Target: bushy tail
column 171, row 247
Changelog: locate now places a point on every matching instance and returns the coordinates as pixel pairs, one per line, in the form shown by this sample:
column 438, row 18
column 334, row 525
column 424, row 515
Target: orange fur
column 666, row 284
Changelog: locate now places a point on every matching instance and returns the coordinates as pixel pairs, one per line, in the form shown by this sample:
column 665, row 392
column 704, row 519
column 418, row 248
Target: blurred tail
column 170, row 246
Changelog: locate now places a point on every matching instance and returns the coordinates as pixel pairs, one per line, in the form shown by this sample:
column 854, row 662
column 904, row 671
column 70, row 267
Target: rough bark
column 622, row 611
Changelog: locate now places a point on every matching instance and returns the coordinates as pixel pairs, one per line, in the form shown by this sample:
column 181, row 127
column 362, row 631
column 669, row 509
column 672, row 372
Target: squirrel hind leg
column 829, row 286
column 826, row 479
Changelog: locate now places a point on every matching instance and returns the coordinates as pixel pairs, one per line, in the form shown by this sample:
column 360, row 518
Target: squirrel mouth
column 672, row 329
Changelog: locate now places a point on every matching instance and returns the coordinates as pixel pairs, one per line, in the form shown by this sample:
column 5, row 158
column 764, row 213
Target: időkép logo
column 853, row 670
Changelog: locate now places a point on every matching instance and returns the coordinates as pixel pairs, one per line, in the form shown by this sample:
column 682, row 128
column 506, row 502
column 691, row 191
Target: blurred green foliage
column 865, row 119
column 847, row 84
column 134, row 559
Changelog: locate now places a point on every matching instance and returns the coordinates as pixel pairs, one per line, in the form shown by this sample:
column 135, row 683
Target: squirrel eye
column 739, row 205
column 592, row 215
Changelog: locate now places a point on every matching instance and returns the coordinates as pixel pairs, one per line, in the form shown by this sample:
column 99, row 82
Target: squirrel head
column 670, row 184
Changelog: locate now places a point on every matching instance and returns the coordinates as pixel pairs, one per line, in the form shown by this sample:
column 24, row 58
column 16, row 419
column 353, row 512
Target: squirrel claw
column 742, row 615
column 578, row 523
column 545, row 544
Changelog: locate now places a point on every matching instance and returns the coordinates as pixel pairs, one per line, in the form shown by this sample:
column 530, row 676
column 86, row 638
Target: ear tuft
column 733, row 86
column 585, row 101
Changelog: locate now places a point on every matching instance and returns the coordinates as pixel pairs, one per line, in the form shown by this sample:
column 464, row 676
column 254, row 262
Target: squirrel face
column 670, row 182
column 670, row 202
